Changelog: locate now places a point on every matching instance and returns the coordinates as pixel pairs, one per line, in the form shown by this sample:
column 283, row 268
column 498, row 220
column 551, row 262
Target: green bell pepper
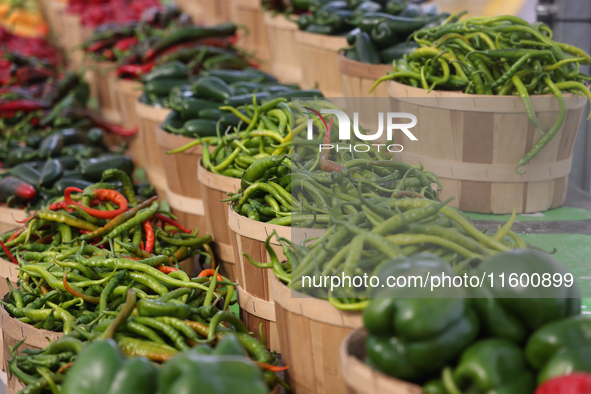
column 514, row 313
column 412, row 338
column 561, row 347
column 491, row 366
column 94, row 369
column 137, row 375
column 220, row 374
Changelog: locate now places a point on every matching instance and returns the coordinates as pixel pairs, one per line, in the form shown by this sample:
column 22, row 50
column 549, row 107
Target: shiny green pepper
column 412, row 338
column 514, row 313
column 492, row 366
column 210, row 374
column 561, row 347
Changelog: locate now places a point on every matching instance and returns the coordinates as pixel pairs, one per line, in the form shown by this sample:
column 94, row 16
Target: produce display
column 491, row 344
column 114, row 42
column 131, row 294
column 100, row 12
column 108, row 340
column 183, row 54
column 50, row 162
column 222, row 108
column 502, row 55
column 278, row 191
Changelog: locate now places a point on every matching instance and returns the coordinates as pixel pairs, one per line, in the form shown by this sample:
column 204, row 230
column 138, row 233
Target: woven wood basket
column 150, row 118
column 213, row 189
column 362, row 379
column 183, row 189
column 310, row 333
column 286, row 63
column 473, row 143
column 320, row 62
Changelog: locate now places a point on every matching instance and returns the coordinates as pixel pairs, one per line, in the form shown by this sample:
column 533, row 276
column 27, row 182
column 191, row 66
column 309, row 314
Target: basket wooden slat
column 250, row 14
column 213, row 189
column 473, row 144
column 103, row 77
column 183, row 189
column 310, row 333
column 14, row 331
column 362, row 379
column 54, row 10
column 9, row 216
column 128, row 92
column 285, row 57
column 255, row 298
column 320, row 62
column 149, row 119
column 358, row 78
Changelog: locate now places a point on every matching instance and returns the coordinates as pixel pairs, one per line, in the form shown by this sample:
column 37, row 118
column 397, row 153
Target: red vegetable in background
column 576, row 383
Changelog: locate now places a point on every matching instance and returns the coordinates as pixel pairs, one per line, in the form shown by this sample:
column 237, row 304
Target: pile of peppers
column 113, row 41
column 100, row 12
column 502, row 55
column 502, row 340
column 196, row 47
column 222, row 102
column 48, row 163
column 248, row 131
column 100, row 215
column 161, row 346
column 390, row 228
column 376, row 30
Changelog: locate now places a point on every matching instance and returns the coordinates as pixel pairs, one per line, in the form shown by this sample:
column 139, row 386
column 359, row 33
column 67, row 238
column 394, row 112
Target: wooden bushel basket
column 14, row 331
column 256, row 302
column 474, row 142
column 183, row 189
column 250, row 13
column 362, row 379
column 9, row 271
column 103, row 77
column 73, row 35
column 320, row 62
column 215, row 11
column 358, row 78
column 285, row 58
column 310, row 333
column 128, row 92
column 54, row 11
column 213, row 189
column 150, row 118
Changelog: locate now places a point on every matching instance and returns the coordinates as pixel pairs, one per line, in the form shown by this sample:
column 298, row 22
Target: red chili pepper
column 165, row 269
column 30, row 74
column 150, row 239
column 16, row 233
column 271, row 367
column 98, row 45
column 25, row 220
column 170, row 221
column 113, row 128
column 56, row 206
column 136, row 70
column 108, row 54
column 25, row 191
column 576, row 383
column 102, row 195
column 209, row 272
column 23, row 105
column 126, row 43
column 10, row 256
